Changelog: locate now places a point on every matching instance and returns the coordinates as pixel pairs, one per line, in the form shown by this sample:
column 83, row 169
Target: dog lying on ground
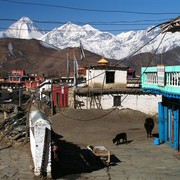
column 149, row 125
column 118, row 138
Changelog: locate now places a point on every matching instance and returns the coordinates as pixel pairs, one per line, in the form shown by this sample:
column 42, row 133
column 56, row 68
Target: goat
column 149, row 125
column 118, row 138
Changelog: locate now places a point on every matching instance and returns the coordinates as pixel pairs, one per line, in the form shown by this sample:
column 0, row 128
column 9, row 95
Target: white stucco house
column 107, row 87
column 45, row 87
column 106, row 76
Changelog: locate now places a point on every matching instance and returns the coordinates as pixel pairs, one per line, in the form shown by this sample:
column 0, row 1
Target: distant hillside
column 37, row 57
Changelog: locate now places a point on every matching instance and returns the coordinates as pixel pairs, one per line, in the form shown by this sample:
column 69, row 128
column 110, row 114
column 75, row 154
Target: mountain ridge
column 103, row 43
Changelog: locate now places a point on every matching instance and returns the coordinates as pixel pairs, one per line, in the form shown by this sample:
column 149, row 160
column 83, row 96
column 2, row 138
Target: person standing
column 55, row 151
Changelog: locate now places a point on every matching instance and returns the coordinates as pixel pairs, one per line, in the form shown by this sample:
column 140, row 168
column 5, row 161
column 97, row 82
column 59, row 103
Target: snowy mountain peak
column 89, row 27
column 25, row 20
column 23, row 29
column 69, row 26
column 69, row 23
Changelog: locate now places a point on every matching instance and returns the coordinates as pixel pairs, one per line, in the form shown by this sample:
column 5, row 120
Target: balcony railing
column 161, row 79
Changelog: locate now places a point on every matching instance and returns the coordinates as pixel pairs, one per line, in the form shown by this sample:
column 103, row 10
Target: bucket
column 156, row 141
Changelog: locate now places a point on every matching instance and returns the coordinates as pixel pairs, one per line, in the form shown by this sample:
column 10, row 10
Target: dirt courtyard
column 83, row 127
column 76, row 128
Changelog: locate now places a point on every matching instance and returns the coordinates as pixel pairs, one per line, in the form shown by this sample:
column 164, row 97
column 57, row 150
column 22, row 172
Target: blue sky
column 114, row 16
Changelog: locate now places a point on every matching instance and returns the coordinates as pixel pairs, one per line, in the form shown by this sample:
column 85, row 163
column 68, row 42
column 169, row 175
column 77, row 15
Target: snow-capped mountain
column 23, row 29
column 108, row 45
column 102, row 43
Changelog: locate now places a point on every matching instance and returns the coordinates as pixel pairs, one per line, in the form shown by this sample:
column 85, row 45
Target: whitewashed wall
column 144, row 103
column 38, row 127
column 39, row 140
column 45, row 87
column 32, row 142
column 97, row 78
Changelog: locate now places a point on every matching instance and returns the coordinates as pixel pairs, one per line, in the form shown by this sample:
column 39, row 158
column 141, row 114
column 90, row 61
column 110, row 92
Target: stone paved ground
column 15, row 162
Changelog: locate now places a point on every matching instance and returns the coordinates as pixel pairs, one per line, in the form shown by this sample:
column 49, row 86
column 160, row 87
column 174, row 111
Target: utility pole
column 75, row 78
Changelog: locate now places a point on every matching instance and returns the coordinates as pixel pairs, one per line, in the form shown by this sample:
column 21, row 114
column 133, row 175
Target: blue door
column 176, row 129
column 172, row 127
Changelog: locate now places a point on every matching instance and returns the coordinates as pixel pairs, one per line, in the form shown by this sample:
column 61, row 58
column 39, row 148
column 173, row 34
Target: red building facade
column 60, row 96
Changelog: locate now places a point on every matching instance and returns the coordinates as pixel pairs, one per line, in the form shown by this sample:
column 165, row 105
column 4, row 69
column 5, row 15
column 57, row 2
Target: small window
column 110, row 76
column 117, row 100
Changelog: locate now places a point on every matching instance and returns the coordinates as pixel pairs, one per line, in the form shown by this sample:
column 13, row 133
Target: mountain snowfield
column 22, row 29
column 102, row 43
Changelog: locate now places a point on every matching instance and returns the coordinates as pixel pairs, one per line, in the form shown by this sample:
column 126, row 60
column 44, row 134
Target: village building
column 11, row 91
column 59, row 97
column 105, row 76
column 54, row 94
column 107, row 87
column 18, row 76
column 45, row 89
column 67, row 80
column 14, row 83
column 74, row 78
column 19, row 79
column 32, row 85
column 33, row 82
column 165, row 81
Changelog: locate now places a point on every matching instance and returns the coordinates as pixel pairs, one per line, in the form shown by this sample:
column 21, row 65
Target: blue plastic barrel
column 156, row 141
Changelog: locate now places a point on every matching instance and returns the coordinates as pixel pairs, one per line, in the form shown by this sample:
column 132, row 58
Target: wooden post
column 19, row 97
column 5, row 114
column 74, row 99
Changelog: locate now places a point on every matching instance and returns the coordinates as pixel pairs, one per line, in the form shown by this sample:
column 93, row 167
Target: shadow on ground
column 125, row 142
column 156, row 135
column 73, row 161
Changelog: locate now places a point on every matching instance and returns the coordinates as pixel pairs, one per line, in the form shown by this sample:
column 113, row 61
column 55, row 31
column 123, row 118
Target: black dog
column 149, row 125
column 118, row 138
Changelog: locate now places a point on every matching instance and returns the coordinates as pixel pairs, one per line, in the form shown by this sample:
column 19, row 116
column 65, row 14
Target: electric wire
column 90, row 119
column 135, row 52
column 90, row 22
column 132, row 55
column 149, row 62
column 131, row 88
column 91, row 10
column 98, row 23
